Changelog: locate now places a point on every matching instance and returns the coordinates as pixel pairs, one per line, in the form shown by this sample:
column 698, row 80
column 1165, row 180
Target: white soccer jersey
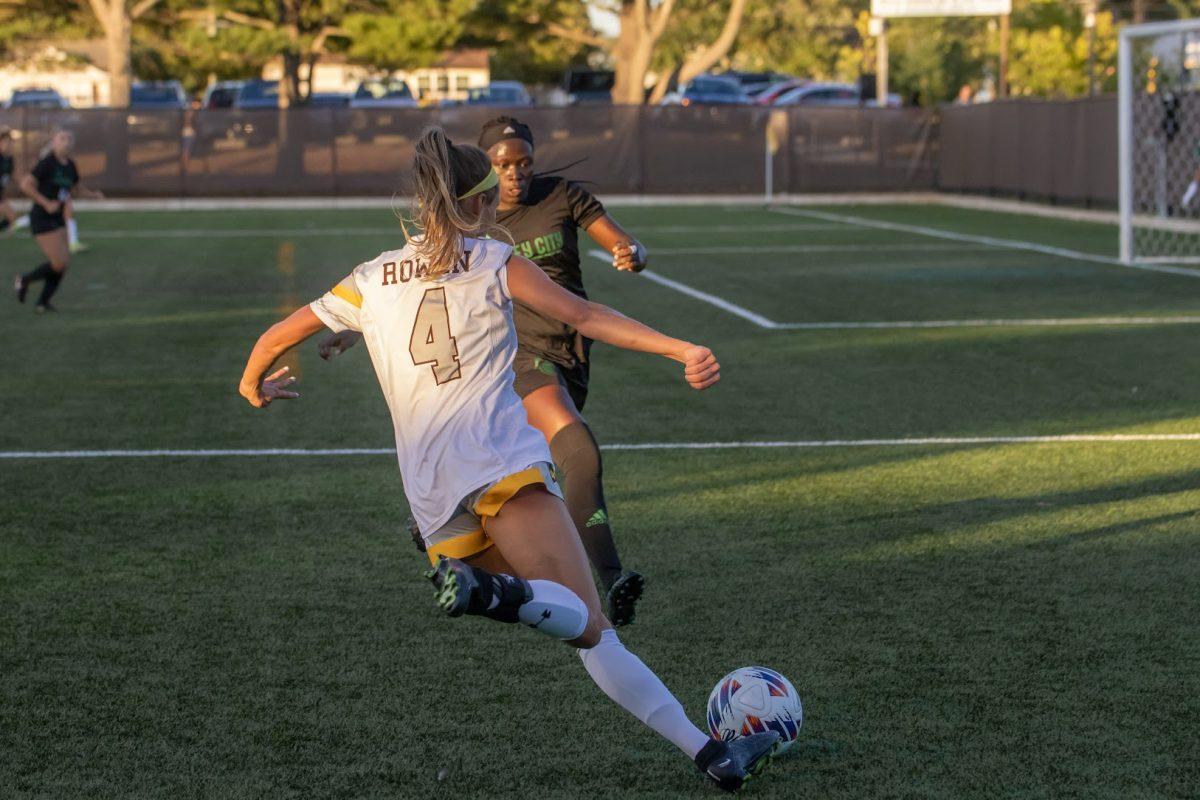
column 443, row 352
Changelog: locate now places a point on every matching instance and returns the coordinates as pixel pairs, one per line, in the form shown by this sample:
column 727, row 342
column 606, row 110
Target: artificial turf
column 961, row 620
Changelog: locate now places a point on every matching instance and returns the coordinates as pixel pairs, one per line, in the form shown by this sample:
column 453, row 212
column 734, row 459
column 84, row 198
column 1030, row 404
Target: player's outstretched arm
column 528, row 284
column 629, row 255
column 257, row 386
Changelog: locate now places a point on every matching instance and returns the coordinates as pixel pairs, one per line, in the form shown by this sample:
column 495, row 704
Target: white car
column 383, row 93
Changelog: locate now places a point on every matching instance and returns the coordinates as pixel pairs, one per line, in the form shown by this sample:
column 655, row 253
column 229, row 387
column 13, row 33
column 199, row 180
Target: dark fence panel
column 1060, row 151
column 861, row 149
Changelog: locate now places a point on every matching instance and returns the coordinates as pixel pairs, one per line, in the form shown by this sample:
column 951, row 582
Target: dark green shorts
column 533, row 371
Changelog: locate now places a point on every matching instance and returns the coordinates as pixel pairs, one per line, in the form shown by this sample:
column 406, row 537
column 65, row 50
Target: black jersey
column 6, row 171
column 55, row 180
column 545, row 228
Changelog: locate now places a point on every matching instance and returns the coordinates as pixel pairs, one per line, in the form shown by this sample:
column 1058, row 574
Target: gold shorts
column 463, row 536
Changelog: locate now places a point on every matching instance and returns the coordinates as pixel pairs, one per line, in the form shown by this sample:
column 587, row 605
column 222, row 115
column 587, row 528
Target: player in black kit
column 51, row 184
column 544, row 215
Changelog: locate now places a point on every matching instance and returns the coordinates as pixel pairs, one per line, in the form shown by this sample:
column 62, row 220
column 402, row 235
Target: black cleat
column 731, row 765
column 21, row 287
column 462, row 589
column 44, row 308
column 455, row 586
column 623, row 596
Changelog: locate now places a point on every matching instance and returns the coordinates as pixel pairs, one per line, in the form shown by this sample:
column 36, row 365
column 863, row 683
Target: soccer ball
column 753, row 700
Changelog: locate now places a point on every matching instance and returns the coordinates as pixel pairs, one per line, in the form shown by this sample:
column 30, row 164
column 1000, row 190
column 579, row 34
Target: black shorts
column 42, row 222
column 534, row 370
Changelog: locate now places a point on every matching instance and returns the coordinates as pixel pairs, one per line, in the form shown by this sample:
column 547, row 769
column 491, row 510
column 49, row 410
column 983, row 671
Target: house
column 76, row 69
column 450, row 78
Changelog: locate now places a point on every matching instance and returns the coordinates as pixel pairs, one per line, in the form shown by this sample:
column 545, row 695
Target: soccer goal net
column 1159, row 122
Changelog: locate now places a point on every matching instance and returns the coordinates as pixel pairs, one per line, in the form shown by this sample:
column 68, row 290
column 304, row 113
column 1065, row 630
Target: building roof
column 463, row 58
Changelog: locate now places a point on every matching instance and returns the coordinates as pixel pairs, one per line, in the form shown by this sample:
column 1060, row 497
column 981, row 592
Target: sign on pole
column 941, row 8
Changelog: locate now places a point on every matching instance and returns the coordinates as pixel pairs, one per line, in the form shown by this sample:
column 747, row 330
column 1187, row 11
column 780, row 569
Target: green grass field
column 963, row 620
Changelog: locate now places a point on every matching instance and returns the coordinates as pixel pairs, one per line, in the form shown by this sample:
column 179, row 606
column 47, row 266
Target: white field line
column 927, row 441
column 814, row 248
column 991, row 241
column 769, row 324
column 250, row 233
column 1065, row 322
column 711, row 299
column 233, row 233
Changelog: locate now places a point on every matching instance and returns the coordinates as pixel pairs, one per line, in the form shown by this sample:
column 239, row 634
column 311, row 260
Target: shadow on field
column 982, row 510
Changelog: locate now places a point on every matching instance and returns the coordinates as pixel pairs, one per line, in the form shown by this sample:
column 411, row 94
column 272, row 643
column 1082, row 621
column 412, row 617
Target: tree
column 301, row 30
column 116, row 18
column 403, row 34
column 642, row 25
column 520, row 48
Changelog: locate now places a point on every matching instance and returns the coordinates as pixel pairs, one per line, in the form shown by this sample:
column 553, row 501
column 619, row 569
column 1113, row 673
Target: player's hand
column 700, row 367
column 337, row 343
column 272, row 388
column 629, row 257
column 52, row 206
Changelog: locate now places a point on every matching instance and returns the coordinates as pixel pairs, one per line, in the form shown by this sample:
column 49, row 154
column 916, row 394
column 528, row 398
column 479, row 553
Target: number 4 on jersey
column 431, row 341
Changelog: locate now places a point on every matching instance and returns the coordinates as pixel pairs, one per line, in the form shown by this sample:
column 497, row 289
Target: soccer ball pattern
column 754, row 700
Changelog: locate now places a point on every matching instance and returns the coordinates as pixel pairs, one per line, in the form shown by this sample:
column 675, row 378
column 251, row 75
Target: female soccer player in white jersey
column 437, row 319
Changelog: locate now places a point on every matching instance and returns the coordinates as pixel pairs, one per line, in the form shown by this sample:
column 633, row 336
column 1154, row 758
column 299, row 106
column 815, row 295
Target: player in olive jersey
column 51, row 183
column 544, row 214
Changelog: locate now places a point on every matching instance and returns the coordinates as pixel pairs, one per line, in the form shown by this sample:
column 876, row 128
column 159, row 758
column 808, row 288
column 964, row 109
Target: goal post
column 1158, row 132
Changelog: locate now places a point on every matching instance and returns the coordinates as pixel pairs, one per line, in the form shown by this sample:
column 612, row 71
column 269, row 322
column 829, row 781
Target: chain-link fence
column 618, row 149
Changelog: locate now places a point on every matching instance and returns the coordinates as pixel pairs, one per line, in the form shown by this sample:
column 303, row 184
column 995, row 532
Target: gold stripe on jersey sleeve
column 347, row 292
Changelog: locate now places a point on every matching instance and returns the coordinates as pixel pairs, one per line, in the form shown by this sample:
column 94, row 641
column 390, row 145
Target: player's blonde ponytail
column 442, row 173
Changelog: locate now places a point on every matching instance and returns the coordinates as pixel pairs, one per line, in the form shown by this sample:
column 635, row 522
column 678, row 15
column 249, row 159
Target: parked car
column 709, row 90
column 820, row 94
column 383, row 93
column 755, row 82
column 831, row 94
column 329, row 100
column 768, row 96
column 222, row 94
column 150, row 107
column 583, row 86
column 500, row 93
column 257, row 94
column 36, row 98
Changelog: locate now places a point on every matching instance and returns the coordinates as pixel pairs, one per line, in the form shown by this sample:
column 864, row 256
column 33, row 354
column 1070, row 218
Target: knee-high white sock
column 73, row 231
column 631, row 685
column 554, row 610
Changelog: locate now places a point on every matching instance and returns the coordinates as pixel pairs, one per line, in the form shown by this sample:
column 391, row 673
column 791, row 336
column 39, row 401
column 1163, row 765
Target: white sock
column 631, row 685
column 73, row 231
column 554, row 610
column 22, row 222
column 1193, row 187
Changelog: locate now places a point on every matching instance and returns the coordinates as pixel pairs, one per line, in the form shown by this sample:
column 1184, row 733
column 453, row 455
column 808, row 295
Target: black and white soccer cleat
column 622, row 598
column 461, row 589
column 730, row 765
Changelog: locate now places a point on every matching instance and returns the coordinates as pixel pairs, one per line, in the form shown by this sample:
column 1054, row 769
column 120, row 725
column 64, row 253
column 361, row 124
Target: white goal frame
column 1126, row 143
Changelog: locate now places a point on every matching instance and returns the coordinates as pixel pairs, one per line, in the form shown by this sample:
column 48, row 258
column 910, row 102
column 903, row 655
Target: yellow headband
column 489, row 181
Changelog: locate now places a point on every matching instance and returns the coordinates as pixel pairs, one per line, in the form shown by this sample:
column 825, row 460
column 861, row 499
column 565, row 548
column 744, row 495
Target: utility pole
column 877, row 27
column 1089, row 22
column 1002, row 79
